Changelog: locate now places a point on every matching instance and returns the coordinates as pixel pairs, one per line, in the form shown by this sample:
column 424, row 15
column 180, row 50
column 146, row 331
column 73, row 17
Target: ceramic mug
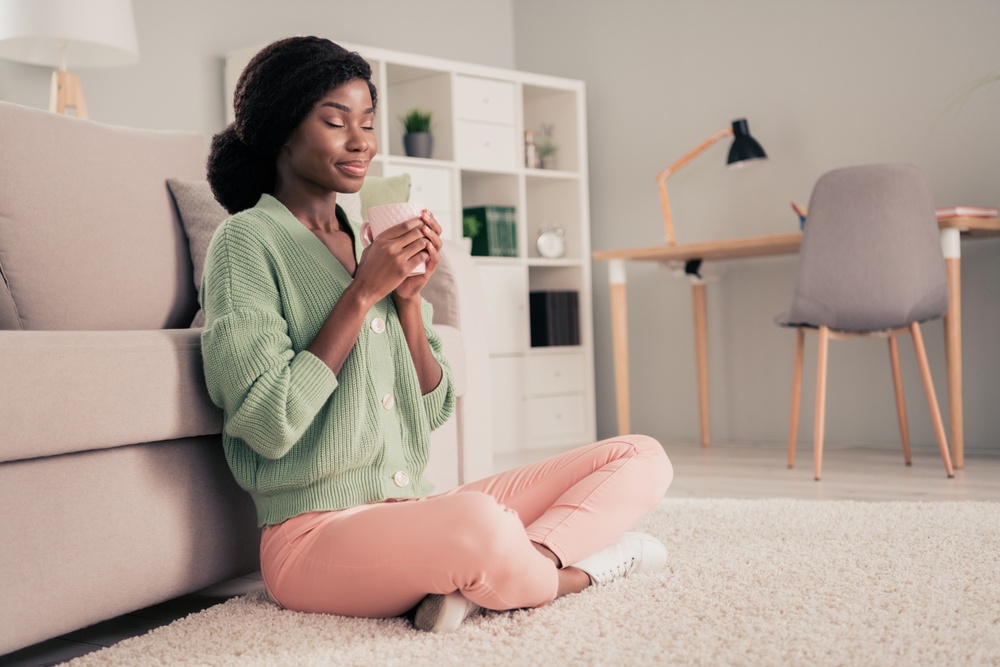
column 387, row 216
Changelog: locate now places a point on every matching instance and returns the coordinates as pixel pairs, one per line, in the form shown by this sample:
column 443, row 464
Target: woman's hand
column 410, row 287
column 391, row 257
column 407, row 299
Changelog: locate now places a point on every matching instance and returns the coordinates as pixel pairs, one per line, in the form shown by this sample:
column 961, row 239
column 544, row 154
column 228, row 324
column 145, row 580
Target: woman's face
column 332, row 147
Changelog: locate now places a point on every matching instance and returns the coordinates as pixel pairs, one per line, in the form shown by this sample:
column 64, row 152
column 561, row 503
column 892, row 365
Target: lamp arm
column 661, row 179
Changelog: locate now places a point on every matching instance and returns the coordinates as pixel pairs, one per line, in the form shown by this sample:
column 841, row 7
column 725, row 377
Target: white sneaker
column 633, row 553
column 444, row 613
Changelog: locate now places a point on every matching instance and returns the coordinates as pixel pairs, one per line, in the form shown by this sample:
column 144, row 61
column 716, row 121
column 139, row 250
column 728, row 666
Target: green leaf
column 416, row 120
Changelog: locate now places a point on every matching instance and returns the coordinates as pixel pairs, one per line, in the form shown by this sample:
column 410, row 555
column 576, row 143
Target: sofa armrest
column 72, row 391
column 456, row 292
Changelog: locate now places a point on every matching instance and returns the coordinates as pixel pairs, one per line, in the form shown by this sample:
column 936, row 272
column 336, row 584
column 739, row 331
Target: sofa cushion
column 72, row 391
column 106, row 389
column 94, row 535
column 201, row 214
column 88, row 237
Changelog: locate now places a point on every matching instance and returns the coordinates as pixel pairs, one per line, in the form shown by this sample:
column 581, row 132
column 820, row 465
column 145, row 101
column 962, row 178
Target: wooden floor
column 850, row 472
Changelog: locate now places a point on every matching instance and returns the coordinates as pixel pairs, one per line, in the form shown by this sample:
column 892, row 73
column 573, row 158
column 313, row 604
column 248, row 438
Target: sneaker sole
column 441, row 613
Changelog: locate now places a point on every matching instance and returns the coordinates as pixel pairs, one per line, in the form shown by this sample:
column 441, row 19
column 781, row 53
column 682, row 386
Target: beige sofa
column 114, row 491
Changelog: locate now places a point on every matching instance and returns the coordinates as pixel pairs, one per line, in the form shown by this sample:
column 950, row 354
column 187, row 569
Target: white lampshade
column 78, row 33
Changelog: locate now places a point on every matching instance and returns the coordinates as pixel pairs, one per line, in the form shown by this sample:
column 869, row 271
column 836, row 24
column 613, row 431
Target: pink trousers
column 380, row 560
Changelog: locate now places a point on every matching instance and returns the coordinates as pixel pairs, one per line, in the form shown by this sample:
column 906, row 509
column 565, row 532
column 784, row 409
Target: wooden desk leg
column 951, row 246
column 699, row 299
column 619, row 338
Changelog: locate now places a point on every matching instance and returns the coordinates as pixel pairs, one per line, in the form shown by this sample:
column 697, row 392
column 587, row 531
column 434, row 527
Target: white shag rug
column 749, row 582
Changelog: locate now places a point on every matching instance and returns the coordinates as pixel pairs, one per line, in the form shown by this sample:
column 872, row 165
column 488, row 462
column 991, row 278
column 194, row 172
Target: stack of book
column 497, row 236
column 555, row 318
column 966, row 212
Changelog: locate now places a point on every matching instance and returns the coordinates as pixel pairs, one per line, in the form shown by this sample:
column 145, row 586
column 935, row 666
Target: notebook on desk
column 966, row 212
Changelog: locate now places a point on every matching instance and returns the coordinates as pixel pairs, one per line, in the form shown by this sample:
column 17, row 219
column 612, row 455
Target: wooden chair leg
column 897, row 382
column 793, row 430
column 925, row 373
column 822, row 355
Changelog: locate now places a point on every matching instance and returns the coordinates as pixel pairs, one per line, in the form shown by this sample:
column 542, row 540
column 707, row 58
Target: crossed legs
column 503, row 541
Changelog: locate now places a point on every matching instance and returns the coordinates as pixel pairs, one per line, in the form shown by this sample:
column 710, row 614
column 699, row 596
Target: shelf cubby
column 409, row 87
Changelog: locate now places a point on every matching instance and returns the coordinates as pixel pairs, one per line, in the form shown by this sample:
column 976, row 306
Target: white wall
column 178, row 81
column 823, row 85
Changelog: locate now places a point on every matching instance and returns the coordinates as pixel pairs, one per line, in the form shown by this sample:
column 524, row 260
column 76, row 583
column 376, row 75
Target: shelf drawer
column 485, row 146
column 555, row 374
column 485, row 100
column 556, row 417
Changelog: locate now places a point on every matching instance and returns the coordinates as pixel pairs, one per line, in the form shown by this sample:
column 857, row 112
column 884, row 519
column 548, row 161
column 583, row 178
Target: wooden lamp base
column 66, row 94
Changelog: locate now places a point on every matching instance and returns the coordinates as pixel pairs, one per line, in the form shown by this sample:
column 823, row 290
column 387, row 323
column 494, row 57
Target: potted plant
column 470, row 230
column 417, row 139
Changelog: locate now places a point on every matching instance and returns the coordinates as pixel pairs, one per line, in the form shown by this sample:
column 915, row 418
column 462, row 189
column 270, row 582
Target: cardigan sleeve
column 439, row 403
column 269, row 393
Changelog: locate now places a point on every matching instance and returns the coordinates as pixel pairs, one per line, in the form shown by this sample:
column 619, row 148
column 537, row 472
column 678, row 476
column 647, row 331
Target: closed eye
column 367, row 128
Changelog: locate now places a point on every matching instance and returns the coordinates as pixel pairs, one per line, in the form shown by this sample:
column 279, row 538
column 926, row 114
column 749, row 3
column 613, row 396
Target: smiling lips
column 354, row 168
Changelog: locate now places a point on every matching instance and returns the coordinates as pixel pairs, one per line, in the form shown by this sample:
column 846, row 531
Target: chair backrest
column 871, row 254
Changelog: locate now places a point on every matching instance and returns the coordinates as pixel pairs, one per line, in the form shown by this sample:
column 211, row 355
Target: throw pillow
column 380, row 190
column 201, row 214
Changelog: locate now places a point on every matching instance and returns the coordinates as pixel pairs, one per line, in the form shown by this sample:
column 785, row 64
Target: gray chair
column 871, row 265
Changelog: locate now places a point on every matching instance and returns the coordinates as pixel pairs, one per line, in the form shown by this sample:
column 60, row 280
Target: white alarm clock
column 551, row 242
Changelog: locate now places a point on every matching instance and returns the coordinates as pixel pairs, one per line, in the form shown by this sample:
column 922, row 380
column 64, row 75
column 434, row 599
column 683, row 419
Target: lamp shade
column 744, row 146
column 81, row 33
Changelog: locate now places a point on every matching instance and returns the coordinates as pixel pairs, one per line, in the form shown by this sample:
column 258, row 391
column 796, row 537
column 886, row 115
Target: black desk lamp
column 744, row 149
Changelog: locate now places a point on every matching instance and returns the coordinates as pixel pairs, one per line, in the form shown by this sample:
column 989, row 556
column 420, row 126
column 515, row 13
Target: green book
column 497, row 235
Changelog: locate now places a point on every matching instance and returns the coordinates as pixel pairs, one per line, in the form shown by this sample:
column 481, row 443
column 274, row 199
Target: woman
column 331, row 378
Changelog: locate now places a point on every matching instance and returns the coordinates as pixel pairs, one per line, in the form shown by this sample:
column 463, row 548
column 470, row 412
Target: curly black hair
column 279, row 87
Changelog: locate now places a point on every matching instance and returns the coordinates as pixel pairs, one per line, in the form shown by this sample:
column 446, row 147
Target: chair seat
column 846, row 333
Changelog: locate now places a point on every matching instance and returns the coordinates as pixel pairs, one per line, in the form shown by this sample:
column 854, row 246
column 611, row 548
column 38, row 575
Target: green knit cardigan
column 297, row 437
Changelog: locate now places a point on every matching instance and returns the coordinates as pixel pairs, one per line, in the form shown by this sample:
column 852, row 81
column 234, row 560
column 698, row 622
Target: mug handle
column 366, row 234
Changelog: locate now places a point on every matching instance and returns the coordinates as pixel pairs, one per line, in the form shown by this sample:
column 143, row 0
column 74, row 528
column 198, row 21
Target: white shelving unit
column 543, row 397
